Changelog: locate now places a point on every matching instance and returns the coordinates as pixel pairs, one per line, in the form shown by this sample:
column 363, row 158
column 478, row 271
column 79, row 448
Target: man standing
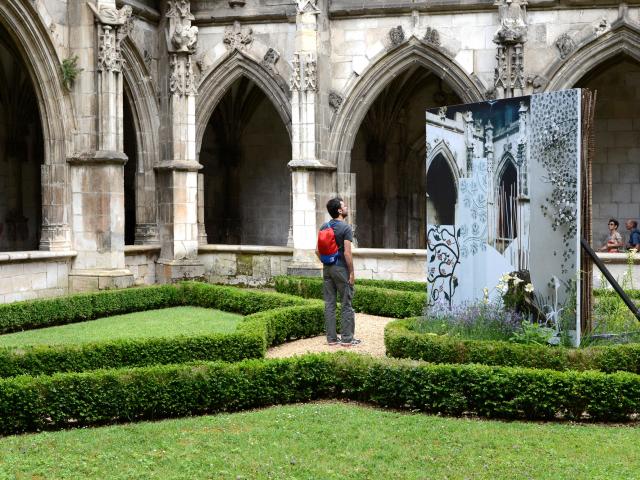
column 339, row 277
column 634, row 234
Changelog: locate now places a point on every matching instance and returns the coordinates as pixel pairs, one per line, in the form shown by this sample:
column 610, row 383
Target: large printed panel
column 503, row 178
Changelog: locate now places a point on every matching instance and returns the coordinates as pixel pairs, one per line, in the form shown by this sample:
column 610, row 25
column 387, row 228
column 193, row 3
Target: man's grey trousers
column 336, row 282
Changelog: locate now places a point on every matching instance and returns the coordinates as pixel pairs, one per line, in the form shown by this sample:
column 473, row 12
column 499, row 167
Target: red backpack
column 327, row 245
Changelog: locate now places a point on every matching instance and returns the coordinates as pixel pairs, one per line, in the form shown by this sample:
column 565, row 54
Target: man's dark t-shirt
column 342, row 232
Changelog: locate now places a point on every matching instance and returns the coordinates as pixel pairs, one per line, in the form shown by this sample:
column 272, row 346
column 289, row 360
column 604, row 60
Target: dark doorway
column 247, row 184
column 388, row 160
column 507, row 206
column 130, row 169
column 441, row 191
column 21, row 153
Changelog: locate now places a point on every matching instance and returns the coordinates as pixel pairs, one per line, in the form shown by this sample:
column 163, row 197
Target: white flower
column 528, row 288
column 485, row 293
column 517, row 281
column 505, row 277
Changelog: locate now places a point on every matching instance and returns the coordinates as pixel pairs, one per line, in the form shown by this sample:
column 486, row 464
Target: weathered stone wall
column 141, row 261
column 388, row 264
column 244, row 265
column 29, row 275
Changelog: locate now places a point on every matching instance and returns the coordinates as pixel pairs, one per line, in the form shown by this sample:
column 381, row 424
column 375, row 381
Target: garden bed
column 161, row 380
column 403, row 341
column 164, row 323
column 271, row 318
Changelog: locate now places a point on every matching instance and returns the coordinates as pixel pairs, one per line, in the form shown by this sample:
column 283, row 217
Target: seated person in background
column 634, row 234
column 614, row 242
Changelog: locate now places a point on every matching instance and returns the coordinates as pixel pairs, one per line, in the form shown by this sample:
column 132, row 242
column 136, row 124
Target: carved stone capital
column 236, row 37
column 111, row 16
column 109, row 55
column 182, row 80
column 296, row 75
column 310, row 74
column 113, row 26
column 183, row 37
column 304, row 75
column 513, row 21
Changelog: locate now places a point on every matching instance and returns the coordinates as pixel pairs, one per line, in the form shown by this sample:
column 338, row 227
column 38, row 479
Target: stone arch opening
column 130, row 147
column 141, row 126
column 390, row 181
column 31, row 41
column 22, row 153
column 218, row 82
column 377, row 77
column 245, row 150
column 616, row 165
column 507, row 198
column 441, row 193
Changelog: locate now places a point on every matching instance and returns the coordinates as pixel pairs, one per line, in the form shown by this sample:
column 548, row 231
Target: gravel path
column 369, row 329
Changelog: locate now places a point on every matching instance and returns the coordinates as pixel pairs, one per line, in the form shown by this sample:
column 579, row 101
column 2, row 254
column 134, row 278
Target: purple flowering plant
column 481, row 320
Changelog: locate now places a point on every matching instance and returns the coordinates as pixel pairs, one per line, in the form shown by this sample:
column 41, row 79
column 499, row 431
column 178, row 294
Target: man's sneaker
column 333, row 342
column 352, row 343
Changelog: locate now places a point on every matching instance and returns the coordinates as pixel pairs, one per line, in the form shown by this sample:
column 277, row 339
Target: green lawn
column 327, row 441
column 167, row 322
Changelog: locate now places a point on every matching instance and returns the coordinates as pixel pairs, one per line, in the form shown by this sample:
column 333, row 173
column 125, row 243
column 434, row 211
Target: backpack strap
column 327, row 225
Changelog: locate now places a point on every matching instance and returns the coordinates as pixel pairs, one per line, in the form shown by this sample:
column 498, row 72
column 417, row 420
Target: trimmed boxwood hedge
column 371, row 300
column 108, row 396
column 402, row 342
column 401, row 285
column 15, row 317
column 30, row 314
column 272, row 319
column 44, row 359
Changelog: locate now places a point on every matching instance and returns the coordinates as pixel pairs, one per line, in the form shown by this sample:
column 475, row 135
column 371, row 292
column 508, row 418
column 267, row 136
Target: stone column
column 97, row 175
column 177, row 174
column 309, row 173
column 202, row 231
column 56, row 233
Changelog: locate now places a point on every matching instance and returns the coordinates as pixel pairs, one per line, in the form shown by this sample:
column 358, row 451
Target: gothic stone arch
column 363, row 93
column 142, row 97
column 32, row 41
column 214, row 86
column 622, row 39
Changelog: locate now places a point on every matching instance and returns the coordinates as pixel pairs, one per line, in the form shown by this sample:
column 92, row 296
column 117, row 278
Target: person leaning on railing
column 634, row 235
column 614, row 241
